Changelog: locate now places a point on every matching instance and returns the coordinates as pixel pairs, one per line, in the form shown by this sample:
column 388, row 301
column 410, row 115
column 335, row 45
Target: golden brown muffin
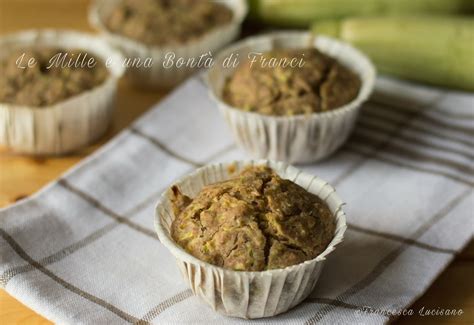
column 253, row 222
column 266, row 85
column 162, row 22
column 56, row 74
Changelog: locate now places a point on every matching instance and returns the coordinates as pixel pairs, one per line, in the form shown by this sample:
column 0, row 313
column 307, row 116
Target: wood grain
column 21, row 176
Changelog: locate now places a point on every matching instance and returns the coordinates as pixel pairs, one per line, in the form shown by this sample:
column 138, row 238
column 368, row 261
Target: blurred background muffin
column 151, row 33
column 57, row 95
column 47, row 81
column 164, row 22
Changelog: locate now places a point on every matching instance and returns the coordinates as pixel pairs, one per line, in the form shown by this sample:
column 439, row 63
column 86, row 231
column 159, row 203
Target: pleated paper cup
column 69, row 124
column 248, row 294
column 159, row 76
column 299, row 138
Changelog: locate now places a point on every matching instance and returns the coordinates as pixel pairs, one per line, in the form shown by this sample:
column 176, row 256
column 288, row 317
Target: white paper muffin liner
column 299, row 138
column 157, row 76
column 67, row 125
column 248, row 294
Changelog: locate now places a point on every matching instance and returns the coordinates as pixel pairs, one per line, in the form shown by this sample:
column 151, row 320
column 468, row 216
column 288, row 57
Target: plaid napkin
column 83, row 250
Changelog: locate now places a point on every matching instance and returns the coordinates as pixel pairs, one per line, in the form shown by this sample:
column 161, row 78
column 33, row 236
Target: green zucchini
column 438, row 50
column 301, row 13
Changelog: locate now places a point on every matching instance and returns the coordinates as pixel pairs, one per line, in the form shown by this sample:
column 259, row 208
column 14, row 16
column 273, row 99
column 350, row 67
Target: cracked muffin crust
column 256, row 221
column 162, row 22
column 318, row 85
column 47, row 81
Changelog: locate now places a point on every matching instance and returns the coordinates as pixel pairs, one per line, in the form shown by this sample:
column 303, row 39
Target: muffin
column 255, row 221
column 250, row 237
column 183, row 20
column 46, row 81
column 298, row 113
column 156, row 34
column 317, row 83
column 57, row 90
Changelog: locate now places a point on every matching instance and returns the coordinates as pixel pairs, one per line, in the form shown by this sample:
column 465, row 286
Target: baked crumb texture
column 320, row 85
column 162, row 22
column 254, row 222
column 44, row 83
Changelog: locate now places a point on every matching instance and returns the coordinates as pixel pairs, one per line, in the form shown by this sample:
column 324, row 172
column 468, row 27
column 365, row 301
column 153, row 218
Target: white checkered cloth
column 83, row 250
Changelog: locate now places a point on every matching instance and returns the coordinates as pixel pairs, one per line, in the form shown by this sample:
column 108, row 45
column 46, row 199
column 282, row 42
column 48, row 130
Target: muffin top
column 162, row 22
column 319, row 84
column 54, row 75
column 256, row 221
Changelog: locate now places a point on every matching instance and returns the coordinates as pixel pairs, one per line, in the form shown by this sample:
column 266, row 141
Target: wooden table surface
column 21, row 176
